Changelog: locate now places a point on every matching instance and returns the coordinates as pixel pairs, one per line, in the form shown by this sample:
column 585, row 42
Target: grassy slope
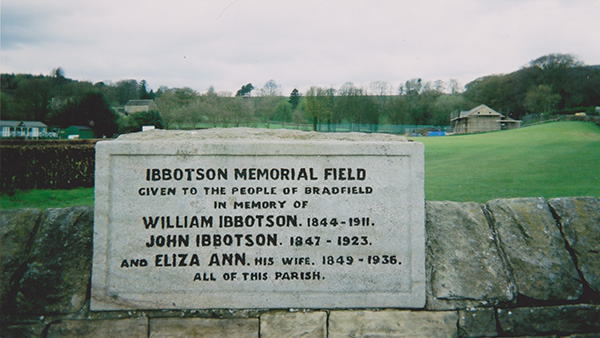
column 550, row 160
column 46, row 198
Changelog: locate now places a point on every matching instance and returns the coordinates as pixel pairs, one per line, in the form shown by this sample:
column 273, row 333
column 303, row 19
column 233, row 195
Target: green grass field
column 46, row 198
column 550, row 160
column 559, row 159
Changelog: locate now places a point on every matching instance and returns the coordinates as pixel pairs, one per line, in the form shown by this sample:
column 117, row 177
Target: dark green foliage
column 245, row 90
column 46, row 164
column 136, row 121
column 575, row 84
column 294, row 99
column 91, row 110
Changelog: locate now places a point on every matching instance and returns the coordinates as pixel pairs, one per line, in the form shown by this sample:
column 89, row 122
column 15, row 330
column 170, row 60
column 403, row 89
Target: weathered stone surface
column 312, row 220
column 463, row 261
column 201, row 327
column 17, row 228
column 391, row 323
column 293, row 324
column 580, row 222
column 131, row 328
column 22, row 331
column 566, row 319
column 58, row 269
column 551, row 336
column 477, row 323
column 531, row 240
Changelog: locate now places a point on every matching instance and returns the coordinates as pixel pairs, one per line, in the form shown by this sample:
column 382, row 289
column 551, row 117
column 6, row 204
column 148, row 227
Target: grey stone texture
column 22, row 331
column 580, row 222
column 202, row 327
column 28, row 256
column 131, row 328
column 541, row 265
column 293, row 325
column 475, row 322
column 386, row 269
column 392, row 323
column 51, row 273
column 563, row 319
column 463, row 261
column 17, row 228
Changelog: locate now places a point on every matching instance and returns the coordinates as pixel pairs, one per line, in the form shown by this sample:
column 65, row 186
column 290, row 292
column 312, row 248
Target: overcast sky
column 226, row 44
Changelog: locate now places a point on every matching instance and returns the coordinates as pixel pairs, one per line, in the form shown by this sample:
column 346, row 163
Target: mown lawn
column 551, row 160
column 47, row 198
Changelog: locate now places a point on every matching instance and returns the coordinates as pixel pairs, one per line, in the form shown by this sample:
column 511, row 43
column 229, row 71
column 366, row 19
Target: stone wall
column 508, row 268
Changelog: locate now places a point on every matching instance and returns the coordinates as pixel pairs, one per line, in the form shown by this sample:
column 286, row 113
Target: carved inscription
column 206, row 231
column 278, row 215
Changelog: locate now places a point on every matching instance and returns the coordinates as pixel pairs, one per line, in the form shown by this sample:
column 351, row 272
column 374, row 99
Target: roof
column 483, row 110
column 80, row 127
column 139, row 102
column 480, row 110
column 25, row 124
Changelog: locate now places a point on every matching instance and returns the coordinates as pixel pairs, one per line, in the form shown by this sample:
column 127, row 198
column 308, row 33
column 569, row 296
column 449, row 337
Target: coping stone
column 463, row 260
column 535, row 249
column 579, row 218
column 293, row 324
column 203, row 327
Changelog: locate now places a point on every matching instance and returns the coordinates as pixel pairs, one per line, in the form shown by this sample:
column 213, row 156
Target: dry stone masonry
column 45, row 284
column 216, row 233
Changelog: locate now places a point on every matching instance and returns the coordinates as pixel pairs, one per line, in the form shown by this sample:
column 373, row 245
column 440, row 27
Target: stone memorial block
column 247, row 218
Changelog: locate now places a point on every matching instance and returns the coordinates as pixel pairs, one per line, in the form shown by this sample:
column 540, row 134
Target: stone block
column 565, row 319
column 203, row 327
column 463, row 260
column 579, row 218
column 23, row 331
column 57, row 272
column 392, row 323
column 535, row 249
column 17, row 228
column 477, row 323
column 293, row 324
column 131, row 328
column 247, row 218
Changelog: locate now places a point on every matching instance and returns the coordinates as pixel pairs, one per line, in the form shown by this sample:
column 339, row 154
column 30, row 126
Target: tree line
column 555, row 83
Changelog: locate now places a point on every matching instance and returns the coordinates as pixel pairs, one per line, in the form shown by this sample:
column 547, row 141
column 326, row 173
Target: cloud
column 298, row 44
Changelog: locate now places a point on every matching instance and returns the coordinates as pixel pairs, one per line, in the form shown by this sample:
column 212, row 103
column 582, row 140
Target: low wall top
column 254, row 134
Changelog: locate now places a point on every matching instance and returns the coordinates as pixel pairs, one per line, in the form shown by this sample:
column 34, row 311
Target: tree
column 318, row 106
column 556, row 61
column 294, row 99
column 541, row 99
column 91, row 110
column 136, row 121
column 270, row 88
column 245, row 91
column 283, row 111
column 144, row 94
column 126, row 90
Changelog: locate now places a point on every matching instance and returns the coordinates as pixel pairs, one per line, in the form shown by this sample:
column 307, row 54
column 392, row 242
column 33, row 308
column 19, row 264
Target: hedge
column 64, row 164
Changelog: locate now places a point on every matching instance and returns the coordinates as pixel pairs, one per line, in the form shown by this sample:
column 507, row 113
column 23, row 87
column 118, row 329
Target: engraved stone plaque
column 246, row 218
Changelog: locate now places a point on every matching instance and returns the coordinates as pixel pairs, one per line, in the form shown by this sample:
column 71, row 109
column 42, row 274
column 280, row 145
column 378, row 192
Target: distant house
column 77, row 132
column 23, row 129
column 481, row 119
column 134, row 106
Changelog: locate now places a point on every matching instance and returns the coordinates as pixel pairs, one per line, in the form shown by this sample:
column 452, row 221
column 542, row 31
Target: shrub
column 47, row 164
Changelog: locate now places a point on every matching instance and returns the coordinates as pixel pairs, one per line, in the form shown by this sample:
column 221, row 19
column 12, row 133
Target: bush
column 47, row 164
